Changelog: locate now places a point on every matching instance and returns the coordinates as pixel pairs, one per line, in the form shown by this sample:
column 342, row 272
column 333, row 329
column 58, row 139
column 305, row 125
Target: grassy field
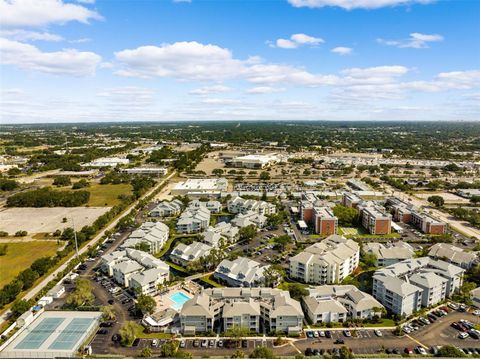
column 106, row 195
column 21, row 255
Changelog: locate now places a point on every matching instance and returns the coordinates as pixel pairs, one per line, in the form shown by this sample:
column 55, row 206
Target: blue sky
column 163, row 60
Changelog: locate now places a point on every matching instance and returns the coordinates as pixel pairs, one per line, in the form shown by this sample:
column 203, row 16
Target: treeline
column 469, row 215
column 46, row 197
column 7, row 184
column 396, row 183
column 184, row 161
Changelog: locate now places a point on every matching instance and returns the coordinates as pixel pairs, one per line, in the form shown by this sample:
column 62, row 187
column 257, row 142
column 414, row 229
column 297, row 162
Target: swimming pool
column 179, row 299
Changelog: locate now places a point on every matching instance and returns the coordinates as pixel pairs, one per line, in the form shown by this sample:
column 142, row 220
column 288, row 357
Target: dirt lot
column 209, row 163
column 47, row 220
column 448, row 197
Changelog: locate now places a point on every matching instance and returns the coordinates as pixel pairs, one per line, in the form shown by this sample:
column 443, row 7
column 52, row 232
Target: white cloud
column 259, row 90
column 415, row 41
column 274, row 73
column 24, row 35
column 65, row 62
column 297, row 40
column 86, row 1
column 80, row 41
column 181, row 60
column 32, row 13
column 340, row 50
column 207, row 90
column 355, row 4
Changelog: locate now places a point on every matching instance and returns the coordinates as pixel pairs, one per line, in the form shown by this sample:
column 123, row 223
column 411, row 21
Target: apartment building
column 135, row 269
column 212, row 206
column 183, row 254
column 406, row 286
column 337, row 303
column 167, row 209
column 427, row 224
column 351, row 200
column 154, row 234
column 257, row 309
column 249, row 218
column 452, row 254
column 326, row 262
column 193, row 220
column 475, row 297
column 326, row 223
column 238, row 205
column 374, row 219
column 389, row 253
column 408, row 213
column 221, row 231
column 241, row 272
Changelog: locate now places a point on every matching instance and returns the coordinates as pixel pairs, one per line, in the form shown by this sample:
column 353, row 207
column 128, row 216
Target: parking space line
column 294, row 347
column 416, row 341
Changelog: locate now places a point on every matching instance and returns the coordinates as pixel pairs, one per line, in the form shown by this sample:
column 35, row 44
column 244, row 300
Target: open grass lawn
column 106, row 195
column 21, row 255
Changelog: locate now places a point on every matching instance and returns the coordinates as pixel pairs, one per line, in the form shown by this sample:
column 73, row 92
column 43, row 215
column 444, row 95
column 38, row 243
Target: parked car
column 408, row 351
column 244, row 343
column 211, row 343
column 220, row 343
column 309, row 334
column 116, row 338
column 308, row 352
column 155, row 343
column 182, row 344
column 347, row 333
column 378, row 333
column 196, row 343
column 321, row 333
column 102, row 331
column 420, row 350
column 463, row 335
column 339, row 341
column 204, row 343
column 328, row 334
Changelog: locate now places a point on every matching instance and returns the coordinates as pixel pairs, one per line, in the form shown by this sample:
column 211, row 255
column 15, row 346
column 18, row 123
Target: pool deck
column 164, row 302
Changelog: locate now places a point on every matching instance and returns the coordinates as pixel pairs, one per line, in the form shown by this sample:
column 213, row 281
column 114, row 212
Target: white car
column 476, row 312
column 378, row 333
column 463, row 335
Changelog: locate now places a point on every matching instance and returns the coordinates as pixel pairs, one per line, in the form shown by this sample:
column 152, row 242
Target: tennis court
column 40, row 333
column 71, row 334
column 53, row 334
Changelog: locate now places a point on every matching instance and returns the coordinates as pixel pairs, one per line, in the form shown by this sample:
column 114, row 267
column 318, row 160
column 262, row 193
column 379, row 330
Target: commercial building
column 108, row 162
column 208, row 186
column 253, row 161
column 158, row 171
column 153, row 234
column 358, row 185
column 167, row 209
column 257, row 309
column 337, row 303
column 241, row 272
column 183, row 254
column 406, row 286
column 452, row 254
column 326, row 262
column 239, row 205
column 389, row 253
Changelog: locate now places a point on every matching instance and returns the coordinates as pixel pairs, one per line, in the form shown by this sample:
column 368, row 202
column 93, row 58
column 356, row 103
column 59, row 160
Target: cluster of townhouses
column 406, row 286
column 238, row 205
column 326, row 262
column 258, row 309
column 137, row 270
column 153, row 234
column 193, row 220
column 408, row 213
column 453, row 254
column 241, row 272
column 337, row 303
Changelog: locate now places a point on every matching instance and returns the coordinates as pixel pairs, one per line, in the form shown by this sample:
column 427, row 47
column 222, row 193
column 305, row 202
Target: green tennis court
column 40, row 333
column 71, row 334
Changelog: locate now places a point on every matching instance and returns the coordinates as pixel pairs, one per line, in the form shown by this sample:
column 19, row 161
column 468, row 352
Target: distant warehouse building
column 253, row 161
column 208, row 186
column 158, row 171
